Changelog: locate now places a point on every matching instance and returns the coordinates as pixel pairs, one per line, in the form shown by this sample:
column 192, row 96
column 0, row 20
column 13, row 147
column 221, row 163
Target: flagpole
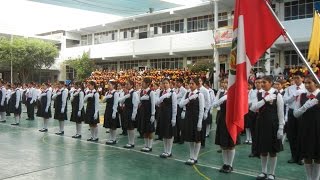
column 293, row 43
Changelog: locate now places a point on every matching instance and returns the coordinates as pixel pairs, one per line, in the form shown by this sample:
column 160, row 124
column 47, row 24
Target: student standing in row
column 207, row 85
column 92, row 110
column 44, row 110
column 111, row 117
column 207, row 108
column 130, row 103
column 308, row 109
column 193, row 102
column 180, row 91
column 60, row 106
column 167, row 103
column 15, row 103
column 31, row 100
column 3, row 103
column 77, row 114
column 270, row 123
column 147, row 114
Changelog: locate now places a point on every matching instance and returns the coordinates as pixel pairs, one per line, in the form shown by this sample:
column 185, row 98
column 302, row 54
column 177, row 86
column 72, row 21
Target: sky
column 30, row 18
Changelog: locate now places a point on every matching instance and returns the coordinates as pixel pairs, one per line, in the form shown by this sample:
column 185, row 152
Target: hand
column 193, row 97
column 95, row 116
column 280, row 133
column 126, row 96
column 145, row 97
column 17, row 105
column 58, row 93
column 109, row 96
column 133, row 118
column 199, row 129
column 173, row 123
column 46, row 110
column 90, row 95
column 79, row 113
column 310, row 103
column 152, row 119
column 183, row 114
column 270, row 97
column 114, row 115
column 205, row 116
column 224, row 98
column 2, row 104
column 62, row 110
column 31, row 101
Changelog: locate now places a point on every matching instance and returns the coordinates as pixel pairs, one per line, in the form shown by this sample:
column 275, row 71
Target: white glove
column 47, row 109
column 95, row 116
column 90, row 95
column 223, row 98
column 71, row 99
column 193, row 97
column 145, row 97
column 280, row 133
column 270, row 97
column 62, row 110
column 79, row 113
column 298, row 92
column 31, row 101
column 2, row 104
column 310, row 103
column 133, row 118
column 152, row 119
column 114, row 115
column 205, row 116
column 164, row 97
column 109, row 96
column 199, row 128
column 126, row 96
column 17, row 105
column 173, row 123
column 58, row 93
column 183, row 114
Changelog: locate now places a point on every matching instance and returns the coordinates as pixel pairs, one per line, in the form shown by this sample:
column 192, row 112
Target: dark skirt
column 60, row 116
column 145, row 125
column 41, row 112
column 4, row 107
column 217, row 116
column 126, row 116
column 266, row 133
column 15, row 110
column 209, row 119
column 74, row 116
column 89, row 118
column 165, row 127
column 109, row 122
column 248, row 119
column 223, row 137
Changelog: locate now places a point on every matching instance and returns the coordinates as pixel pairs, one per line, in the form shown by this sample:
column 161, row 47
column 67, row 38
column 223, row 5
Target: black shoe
column 164, row 155
column 3, row 121
column 60, row 133
column 195, row 161
column 262, row 176
column 129, row 146
column 181, row 142
column 300, row 163
column 95, row 140
column 90, row 139
column 43, row 130
column 228, row 169
column 291, row 161
column 190, row 162
column 219, row 151
column 146, row 149
column 253, row 155
column 15, row 124
column 110, row 142
column 222, row 169
column 28, row 119
column 207, row 136
column 76, row 136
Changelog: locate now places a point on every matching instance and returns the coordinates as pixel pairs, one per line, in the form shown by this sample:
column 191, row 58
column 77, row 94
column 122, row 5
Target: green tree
column 82, row 65
column 202, row 65
column 27, row 55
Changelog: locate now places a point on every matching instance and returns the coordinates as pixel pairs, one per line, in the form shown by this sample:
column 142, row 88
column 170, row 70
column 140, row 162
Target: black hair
column 79, row 84
column 180, row 80
column 299, row 73
column 207, row 83
column 47, row 84
column 92, row 83
column 147, row 81
column 114, row 84
column 268, row 78
column 61, row 82
column 311, row 78
column 195, row 80
column 131, row 83
column 166, row 79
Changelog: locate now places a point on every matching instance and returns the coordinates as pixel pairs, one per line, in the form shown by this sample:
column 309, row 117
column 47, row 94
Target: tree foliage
column 27, row 55
column 82, row 65
column 202, row 65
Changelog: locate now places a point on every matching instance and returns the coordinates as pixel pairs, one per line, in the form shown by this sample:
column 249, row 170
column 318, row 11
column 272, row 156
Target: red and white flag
column 255, row 29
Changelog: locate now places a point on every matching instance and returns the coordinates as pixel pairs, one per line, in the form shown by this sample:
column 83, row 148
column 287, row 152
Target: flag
column 314, row 46
column 254, row 31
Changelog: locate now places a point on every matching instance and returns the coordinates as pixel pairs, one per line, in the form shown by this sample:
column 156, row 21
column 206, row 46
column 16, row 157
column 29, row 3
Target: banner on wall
column 223, row 36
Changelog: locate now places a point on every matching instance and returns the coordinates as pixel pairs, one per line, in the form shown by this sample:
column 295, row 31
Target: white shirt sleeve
column 18, row 97
column 96, row 104
column 218, row 102
column 207, row 101
column 184, row 101
column 256, row 105
column 174, row 106
column 81, row 100
column 135, row 102
column 288, row 97
column 280, row 108
column 201, row 109
column 153, row 103
column 4, row 93
column 298, row 110
column 34, row 95
column 48, row 99
column 64, row 99
column 115, row 102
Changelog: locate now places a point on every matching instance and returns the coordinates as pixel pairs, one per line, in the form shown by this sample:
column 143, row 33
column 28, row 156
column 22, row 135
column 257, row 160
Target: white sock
column 197, row 147
column 150, row 143
column 61, row 126
column 231, row 154
column 131, row 136
column 165, row 144
column 16, row 119
column 248, row 134
column 45, row 123
column 309, row 168
column 316, row 171
column 264, row 162
column 92, row 131
column 169, row 146
column 208, row 129
column 225, row 157
column 146, row 142
column 95, row 132
column 191, row 146
column 78, row 128
column 113, row 135
column 3, row 116
column 272, row 164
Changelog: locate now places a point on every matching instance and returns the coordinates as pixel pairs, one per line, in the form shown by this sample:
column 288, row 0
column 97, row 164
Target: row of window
column 299, row 9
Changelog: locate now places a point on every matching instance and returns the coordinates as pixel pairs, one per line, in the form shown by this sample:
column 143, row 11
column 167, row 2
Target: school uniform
column 309, row 129
column 60, row 105
column 77, row 97
column 157, row 123
column 8, row 96
column 167, row 113
column 206, row 116
column 146, row 110
column 293, row 124
column 120, row 112
column 212, row 98
column 15, row 102
column 31, row 99
column 112, row 100
column 179, row 124
column 3, row 102
column 219, row 94
column 92, row 99
column 270, row 119
column 44, row 110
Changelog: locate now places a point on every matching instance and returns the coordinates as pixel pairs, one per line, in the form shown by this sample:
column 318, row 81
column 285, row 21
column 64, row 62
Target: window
column 167, row 27
column 222, row 19
column 108, row 66
column 104, row 37
column 166, row 63
column 299, row 9
column 70, row 73
column 86, row 40
column 133, row 64
column 200, row 23
column 292, row 58
column 194, row 59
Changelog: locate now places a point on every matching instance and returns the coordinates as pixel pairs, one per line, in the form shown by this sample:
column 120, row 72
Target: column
column 267, row 63
column 118, row 35
column 184, row 62
column 185, row 25
column 92, row 39
column 215, row 50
